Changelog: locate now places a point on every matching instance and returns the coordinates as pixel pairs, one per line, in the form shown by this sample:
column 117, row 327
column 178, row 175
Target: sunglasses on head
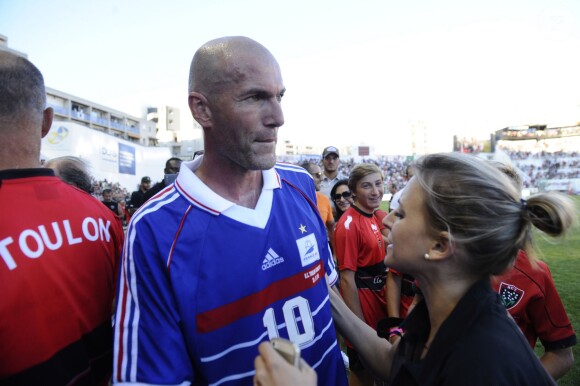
column 337, row 196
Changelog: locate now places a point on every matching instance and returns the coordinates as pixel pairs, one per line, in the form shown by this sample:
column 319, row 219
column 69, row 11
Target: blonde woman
column 460, row 221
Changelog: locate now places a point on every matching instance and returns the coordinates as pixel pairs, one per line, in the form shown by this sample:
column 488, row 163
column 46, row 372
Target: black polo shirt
column 478, row 344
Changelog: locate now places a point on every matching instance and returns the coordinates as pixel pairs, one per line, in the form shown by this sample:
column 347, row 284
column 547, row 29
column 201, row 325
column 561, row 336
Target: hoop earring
column 427, row 257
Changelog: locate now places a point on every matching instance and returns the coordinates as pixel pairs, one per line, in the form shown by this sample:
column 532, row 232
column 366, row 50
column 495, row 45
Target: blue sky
column 359, row 72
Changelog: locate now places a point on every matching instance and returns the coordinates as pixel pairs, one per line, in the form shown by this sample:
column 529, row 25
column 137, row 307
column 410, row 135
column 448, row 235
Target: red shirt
column 531, row 298
column 359, row 243
column 59, row 250
column 381, row 214
column 358, row 239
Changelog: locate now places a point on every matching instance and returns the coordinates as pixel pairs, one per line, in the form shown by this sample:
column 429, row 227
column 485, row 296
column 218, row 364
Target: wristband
column 398, row 331
column 384, row 326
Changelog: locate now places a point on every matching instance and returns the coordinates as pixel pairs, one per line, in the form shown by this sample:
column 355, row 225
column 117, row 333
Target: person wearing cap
column 330, row 174
column 137, row 197
column 170, row 172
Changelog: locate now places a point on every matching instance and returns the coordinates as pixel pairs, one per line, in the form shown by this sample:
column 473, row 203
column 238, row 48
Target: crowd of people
column 234, row 249
column 544, row 165
column 534, row 166
column 120, row 193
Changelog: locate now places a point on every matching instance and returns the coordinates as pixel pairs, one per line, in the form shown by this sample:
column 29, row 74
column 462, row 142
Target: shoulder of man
column 292, row 172
column 298, row 177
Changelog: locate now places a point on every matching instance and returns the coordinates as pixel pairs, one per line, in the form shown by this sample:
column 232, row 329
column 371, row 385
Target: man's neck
column 14, row 155
column 242, row 187
column 331, row 175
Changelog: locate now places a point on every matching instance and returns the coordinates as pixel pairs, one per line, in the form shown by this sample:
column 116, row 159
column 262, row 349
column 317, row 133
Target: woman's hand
column 273, row 370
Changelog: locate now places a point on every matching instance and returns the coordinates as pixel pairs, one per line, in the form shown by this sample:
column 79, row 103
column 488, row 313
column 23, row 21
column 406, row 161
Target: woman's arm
column 375, row 352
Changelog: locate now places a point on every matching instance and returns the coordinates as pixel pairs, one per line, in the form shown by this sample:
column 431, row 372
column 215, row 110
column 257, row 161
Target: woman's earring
column 427, row 257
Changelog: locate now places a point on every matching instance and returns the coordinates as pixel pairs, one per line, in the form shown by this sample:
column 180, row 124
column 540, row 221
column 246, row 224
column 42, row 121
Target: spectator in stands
column 360, row 251
column 170, row 173
column 322, row 201
column 110, row 203
column 59, row 247
column 342, row 198
column 120, row 193
column 460, row 333
column 73, row 171
column 137, row 197
column 331, row 173
column 528, row 292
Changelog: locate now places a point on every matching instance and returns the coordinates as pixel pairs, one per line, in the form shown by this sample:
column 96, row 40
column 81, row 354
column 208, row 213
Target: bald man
column 59, row 252
column 234, row 253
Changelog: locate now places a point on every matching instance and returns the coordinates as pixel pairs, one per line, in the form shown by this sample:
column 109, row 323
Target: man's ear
column 199, row 107
column 47, row 116
column 442, row 247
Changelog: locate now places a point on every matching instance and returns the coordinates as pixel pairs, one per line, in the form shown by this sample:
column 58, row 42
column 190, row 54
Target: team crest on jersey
column 308, row 248
column 510, row 295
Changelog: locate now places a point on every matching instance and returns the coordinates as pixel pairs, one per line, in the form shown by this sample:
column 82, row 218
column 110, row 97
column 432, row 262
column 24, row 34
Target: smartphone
column 289, row 350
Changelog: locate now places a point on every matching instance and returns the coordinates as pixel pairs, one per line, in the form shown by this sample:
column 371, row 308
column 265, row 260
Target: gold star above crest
column 302, row 228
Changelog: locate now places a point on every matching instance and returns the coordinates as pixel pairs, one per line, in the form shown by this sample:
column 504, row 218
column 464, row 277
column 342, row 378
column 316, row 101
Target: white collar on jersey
column 202, row 196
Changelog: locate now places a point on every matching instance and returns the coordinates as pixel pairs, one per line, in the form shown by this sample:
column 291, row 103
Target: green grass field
column 563, row 258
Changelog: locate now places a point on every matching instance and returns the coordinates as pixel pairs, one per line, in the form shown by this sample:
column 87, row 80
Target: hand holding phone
column 288, row 350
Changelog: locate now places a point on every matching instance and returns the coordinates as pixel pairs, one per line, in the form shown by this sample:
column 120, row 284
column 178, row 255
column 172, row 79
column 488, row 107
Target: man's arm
column 558, row 362
column 149, row 345
column 393, row 294
column 552, row 325
column 350, row 292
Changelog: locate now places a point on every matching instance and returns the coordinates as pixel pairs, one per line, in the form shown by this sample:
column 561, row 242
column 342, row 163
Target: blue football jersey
column 203, row 281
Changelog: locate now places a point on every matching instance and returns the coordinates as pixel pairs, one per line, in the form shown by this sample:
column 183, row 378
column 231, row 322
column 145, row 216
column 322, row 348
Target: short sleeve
column 548, row 316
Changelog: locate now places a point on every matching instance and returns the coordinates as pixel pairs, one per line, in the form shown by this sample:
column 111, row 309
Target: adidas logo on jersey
column 272, row 259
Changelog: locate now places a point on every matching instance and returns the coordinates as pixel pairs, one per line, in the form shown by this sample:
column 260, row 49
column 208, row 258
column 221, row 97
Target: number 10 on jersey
column 297, row 318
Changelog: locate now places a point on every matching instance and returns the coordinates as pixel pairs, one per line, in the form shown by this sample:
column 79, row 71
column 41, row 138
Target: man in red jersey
column 529, row 294
column 59, row 250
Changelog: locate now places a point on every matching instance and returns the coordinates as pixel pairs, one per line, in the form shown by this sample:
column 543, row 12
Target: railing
column 59, row 109
column 98, row 120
